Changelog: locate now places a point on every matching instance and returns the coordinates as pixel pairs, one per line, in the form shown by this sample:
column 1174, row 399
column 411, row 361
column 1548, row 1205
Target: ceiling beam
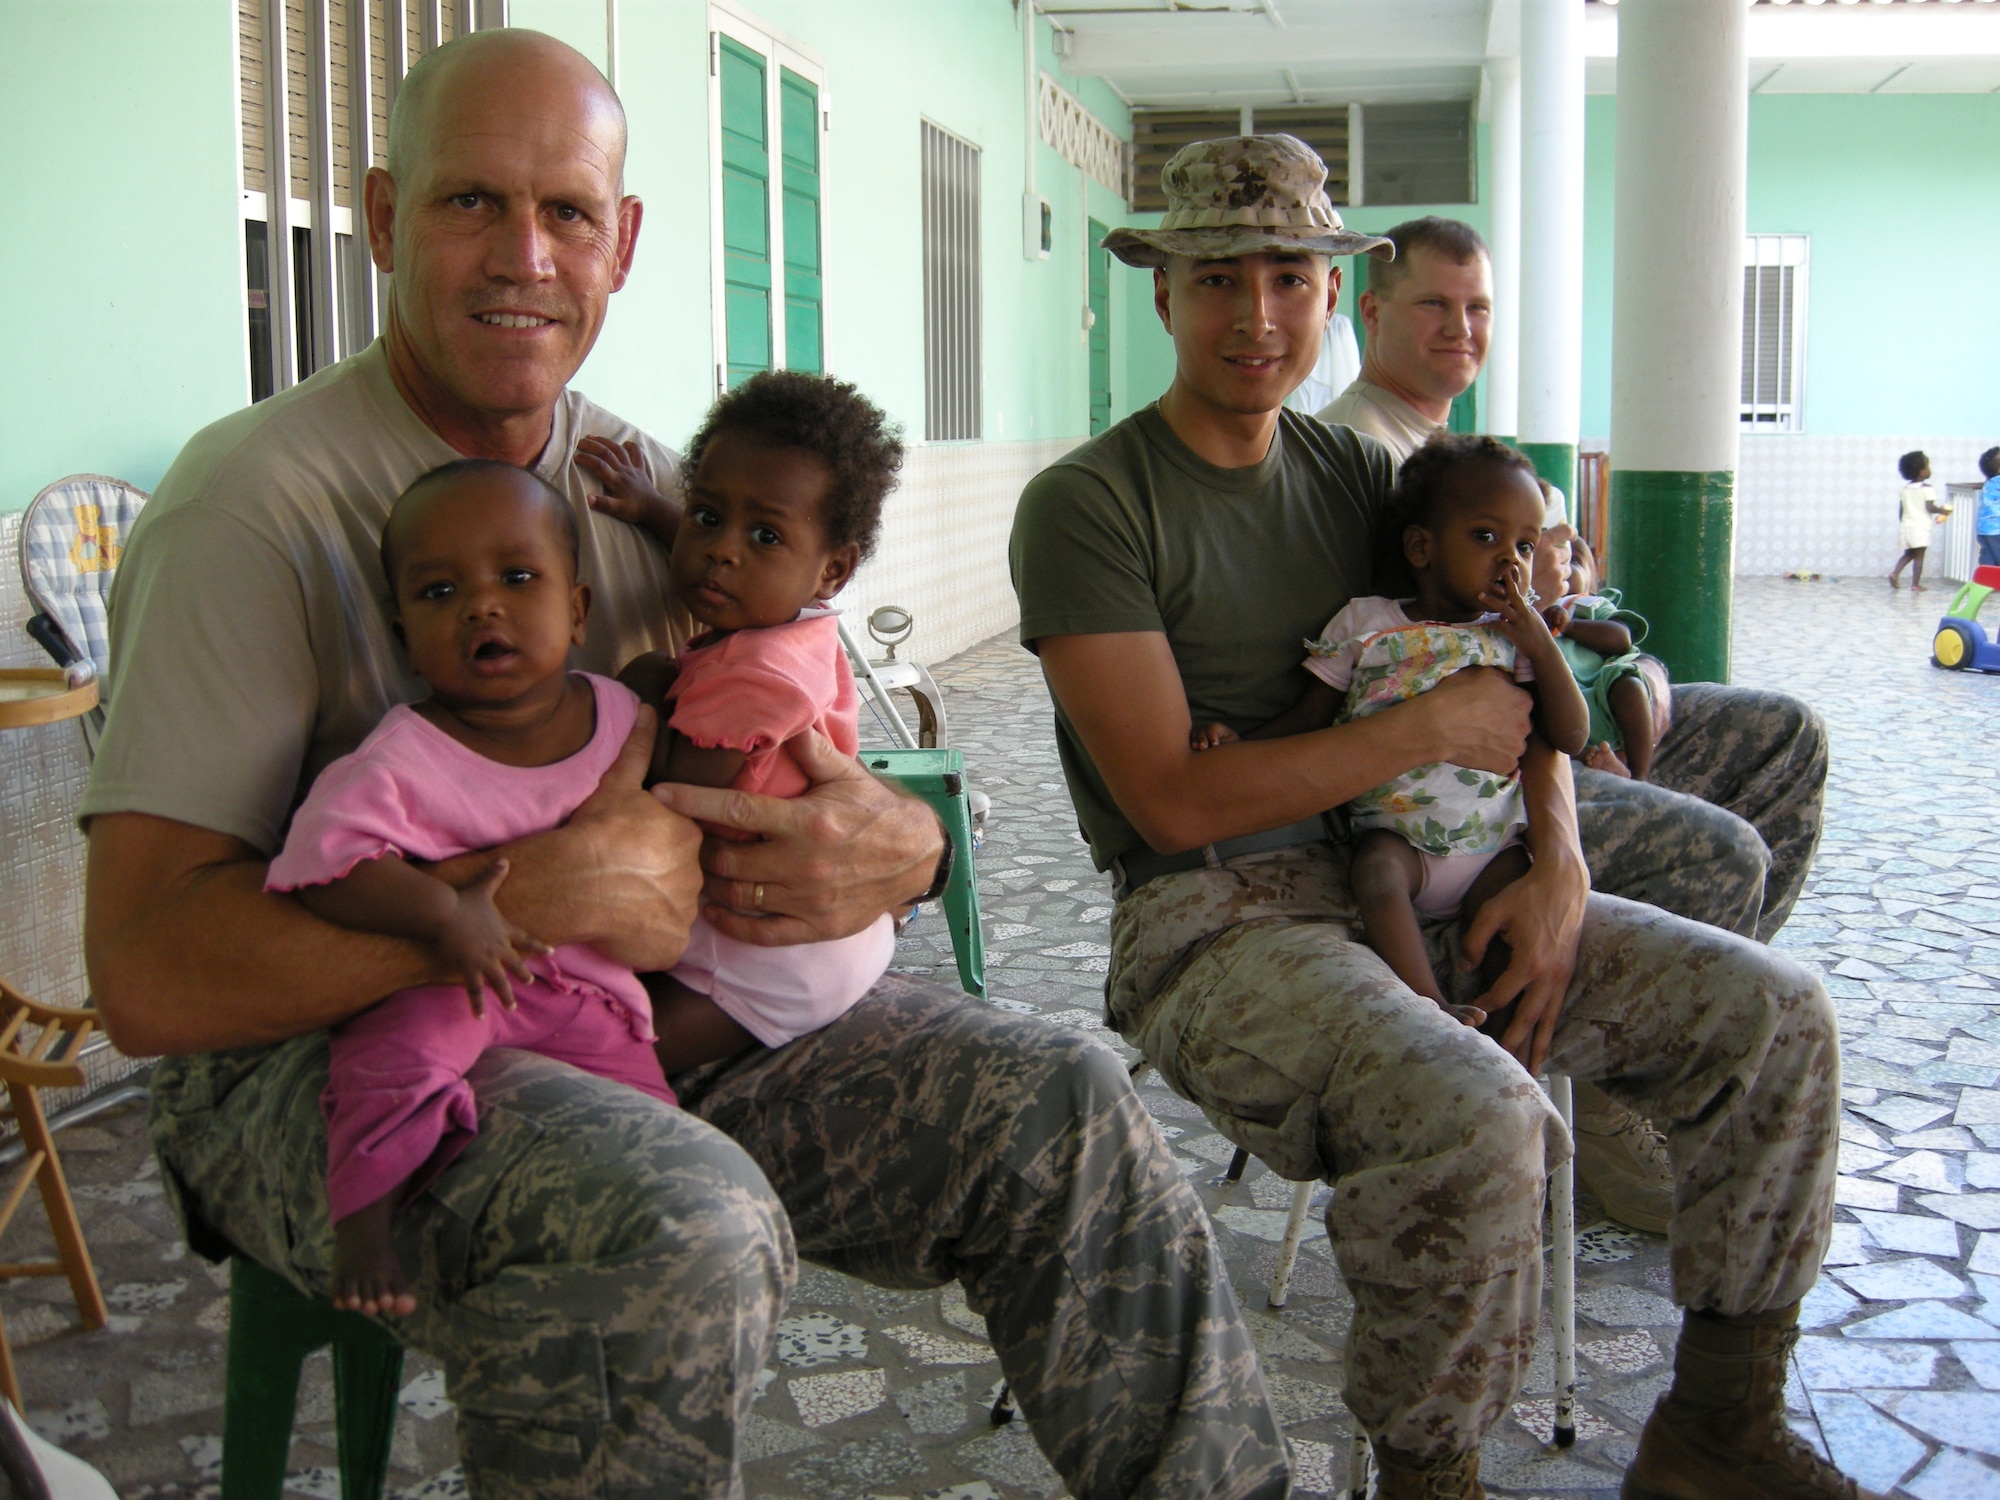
column 1129, row 50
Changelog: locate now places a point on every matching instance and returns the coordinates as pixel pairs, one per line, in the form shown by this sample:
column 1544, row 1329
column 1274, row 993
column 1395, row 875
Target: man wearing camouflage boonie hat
column 1167, row 571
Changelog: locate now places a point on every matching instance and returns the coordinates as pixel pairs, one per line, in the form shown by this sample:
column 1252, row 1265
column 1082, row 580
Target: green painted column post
column 1677, row 322
column 1555, row 462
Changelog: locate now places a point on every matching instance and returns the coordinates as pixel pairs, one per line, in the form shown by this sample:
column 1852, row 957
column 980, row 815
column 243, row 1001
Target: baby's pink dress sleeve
column 1338, row 648
column 750, row 703
column 355, row 812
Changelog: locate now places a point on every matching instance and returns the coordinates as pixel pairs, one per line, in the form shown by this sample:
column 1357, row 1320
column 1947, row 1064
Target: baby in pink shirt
column 481, row 559
column 783, row 498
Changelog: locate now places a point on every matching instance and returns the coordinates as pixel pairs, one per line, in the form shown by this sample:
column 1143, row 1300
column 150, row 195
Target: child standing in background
column 1987, row 523
column 1917, row 506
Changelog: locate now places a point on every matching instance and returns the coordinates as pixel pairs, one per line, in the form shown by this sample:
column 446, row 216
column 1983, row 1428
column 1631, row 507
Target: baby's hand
column 629, row 492
column 1518, row 620
column 1208, row 736
column 1557, row 618
column 482, row 947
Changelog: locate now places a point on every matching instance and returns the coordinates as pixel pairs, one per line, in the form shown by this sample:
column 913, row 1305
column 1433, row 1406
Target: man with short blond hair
column 600, row 1275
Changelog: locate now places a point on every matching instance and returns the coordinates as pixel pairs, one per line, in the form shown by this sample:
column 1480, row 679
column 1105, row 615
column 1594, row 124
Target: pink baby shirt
column 411, row 789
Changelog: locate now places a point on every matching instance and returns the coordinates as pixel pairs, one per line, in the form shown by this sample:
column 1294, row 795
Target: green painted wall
column 1150, row 352
column 1901, row 196
column 124, row 250
column 954, row 62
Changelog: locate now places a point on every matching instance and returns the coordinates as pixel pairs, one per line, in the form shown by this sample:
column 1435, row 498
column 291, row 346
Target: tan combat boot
column 1720, row 1433
column 1398, row 1476
column 1623, row 1160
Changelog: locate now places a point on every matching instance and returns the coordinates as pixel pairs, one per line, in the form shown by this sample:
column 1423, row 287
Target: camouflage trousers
column 601, row 1275
column 1248, row 986
column 1725, row 831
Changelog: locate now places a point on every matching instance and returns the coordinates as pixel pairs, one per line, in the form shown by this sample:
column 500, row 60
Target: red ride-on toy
column 1960, row 643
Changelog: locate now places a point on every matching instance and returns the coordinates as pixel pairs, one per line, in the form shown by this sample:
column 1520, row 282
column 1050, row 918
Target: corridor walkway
column 883, row 1393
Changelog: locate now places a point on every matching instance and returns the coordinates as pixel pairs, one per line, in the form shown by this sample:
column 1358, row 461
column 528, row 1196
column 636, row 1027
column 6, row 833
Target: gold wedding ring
column 757, row 896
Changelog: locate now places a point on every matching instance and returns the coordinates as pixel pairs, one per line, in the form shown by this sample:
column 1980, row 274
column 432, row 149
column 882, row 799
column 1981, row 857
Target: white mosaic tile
column 1901, row 1112
column 1848, row 1245
column 1900, row 1280
column 1832, row 1363
column 77, row 1422
column 1625, row 1307
column 1943, row 1138
column 1538, row 1417
column 1982, row 1169
column 823, row 1399
column 1926, row 1170
column 819, row 1339
column 424, row 1397
column 1827, row 1303
column 928, row 1348
column 204, row 1455
column 1265, row 1223
column 957, row 1312
column 1858, row 1158
column 1985, row 1255
column 1868, row 1447
column 142, row 1297
column 766, row 1437
column 1318, row 1468
column 1963, row 1419
column 1606, row 1244
column 1913, row 1234
column 449, row 1484
column 314, row 1483
column 1981, row 1361
column 1627, row 1354
column 1922, row 1320
column 1955, row 1476
column 1979, row 1210
column 1865, row 1192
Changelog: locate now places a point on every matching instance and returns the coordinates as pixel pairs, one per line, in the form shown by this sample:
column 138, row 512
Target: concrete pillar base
column 1672, row 540
column 1555, row 462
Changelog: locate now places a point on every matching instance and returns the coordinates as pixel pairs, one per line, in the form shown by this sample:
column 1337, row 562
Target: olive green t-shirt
column 1237, row 567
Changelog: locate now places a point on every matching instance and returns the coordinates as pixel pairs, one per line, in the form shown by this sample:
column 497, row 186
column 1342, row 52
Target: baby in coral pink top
column 786, row 480
column 481, row 559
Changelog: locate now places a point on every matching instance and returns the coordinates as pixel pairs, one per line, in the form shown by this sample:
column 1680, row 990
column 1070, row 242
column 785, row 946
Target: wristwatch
column 938, row 882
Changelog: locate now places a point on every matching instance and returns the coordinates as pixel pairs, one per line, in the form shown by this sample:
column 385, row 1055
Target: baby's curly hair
column 1420, row 490
column 828, row 419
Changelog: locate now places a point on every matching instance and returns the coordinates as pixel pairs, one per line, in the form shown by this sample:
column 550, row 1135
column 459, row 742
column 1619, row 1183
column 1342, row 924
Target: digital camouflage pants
column 601, row 1275
column 1249, row 988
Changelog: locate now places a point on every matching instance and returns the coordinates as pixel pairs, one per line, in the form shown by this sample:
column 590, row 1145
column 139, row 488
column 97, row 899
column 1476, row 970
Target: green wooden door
column 746, row 215
column 799, row 112
column 1100, row 330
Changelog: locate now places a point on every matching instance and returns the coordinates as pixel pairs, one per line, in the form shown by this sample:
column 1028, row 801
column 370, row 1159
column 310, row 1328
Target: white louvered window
column 952, row 405
column 316, row 79
column 1774, row 332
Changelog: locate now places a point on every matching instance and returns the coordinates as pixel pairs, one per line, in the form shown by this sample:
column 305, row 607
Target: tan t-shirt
column 1383, row 415
column 250, row 639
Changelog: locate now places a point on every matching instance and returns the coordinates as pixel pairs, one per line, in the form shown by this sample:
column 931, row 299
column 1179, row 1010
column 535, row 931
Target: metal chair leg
column 1562, row 1245
column 1288, row 1248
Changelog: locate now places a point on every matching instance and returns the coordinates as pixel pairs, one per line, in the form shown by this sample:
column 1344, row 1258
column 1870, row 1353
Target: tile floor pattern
column 879, row 1393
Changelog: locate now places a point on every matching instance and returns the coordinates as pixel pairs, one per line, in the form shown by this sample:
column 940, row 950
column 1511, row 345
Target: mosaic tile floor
column 884, row 1393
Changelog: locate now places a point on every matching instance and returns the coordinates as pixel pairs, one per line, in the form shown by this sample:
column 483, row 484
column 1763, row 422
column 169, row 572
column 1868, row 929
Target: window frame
column 779, row 52
column 1777, row 250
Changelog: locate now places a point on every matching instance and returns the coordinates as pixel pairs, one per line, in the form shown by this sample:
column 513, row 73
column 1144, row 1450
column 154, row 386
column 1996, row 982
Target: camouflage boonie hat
column 1241, row 194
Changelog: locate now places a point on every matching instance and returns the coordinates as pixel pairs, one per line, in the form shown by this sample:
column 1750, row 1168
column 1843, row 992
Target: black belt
column 1130, row 871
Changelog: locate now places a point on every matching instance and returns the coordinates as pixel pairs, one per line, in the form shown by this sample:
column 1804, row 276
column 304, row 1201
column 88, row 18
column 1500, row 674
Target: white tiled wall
column 944, row 545
column 1828, row 504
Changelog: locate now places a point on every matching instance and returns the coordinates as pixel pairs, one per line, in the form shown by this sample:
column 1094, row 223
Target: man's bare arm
column 825, row 864
column 1123, row 693
column 188, row 953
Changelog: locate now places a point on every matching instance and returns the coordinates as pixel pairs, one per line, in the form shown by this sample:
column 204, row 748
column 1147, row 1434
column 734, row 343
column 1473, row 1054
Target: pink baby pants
column 396, row 1096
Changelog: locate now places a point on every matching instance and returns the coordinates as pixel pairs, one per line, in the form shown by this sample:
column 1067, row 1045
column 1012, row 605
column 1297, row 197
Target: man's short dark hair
column 827, row 419
column 558, row 506
column 1989, row 462
column 1454, row 239
column 1912, row 464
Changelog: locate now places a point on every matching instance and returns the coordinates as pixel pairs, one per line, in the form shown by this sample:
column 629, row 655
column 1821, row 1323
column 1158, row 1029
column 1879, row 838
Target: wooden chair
column 46, row 1059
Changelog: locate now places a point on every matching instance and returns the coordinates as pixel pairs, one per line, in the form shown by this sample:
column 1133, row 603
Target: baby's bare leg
column 367, row 1275
column 1386, row 875
column 692, row 1028
column 1632, row 708
column 1501, row 871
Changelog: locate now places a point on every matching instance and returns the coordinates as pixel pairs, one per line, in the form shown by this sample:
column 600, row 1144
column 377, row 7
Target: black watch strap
column 943, row 876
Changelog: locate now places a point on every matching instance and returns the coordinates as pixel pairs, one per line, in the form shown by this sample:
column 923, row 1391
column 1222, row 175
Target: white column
column 1503, row 354
column 1551, row 228
column 1677, row 275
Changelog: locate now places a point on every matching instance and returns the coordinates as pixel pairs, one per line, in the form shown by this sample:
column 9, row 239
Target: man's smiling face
column 1246, row 330
column 1429, row 331
column 508, row 231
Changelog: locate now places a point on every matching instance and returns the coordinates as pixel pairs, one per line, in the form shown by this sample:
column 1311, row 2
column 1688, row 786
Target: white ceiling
column 1228, row 53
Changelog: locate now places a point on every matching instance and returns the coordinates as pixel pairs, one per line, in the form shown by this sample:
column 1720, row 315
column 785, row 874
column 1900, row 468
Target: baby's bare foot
column 1601, row 757
column 367, row 1276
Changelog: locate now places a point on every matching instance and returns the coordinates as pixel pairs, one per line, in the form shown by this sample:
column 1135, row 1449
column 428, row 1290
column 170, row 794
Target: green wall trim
column 1672, row 542
column 1555, row 462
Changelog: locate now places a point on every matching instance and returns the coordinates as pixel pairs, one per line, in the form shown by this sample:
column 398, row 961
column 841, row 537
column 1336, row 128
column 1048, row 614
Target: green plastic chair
column 938, row 776
column 272, row 1328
